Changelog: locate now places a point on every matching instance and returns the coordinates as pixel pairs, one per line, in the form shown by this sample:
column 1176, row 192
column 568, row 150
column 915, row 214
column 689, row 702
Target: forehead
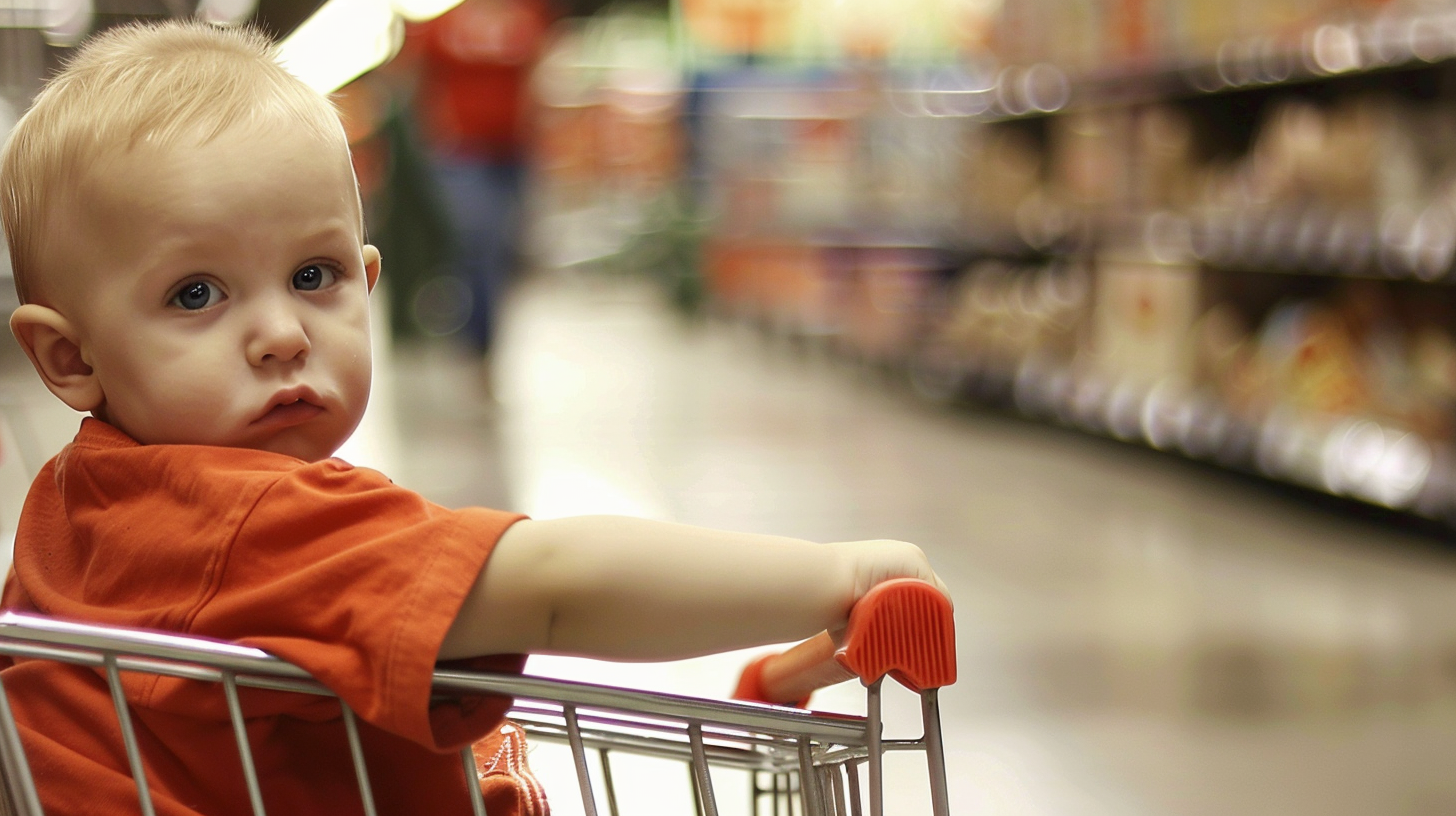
column 246, row 180
column 253, row 166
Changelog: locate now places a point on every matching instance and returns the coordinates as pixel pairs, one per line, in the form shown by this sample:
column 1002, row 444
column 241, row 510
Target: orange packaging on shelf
column 1129, row 37
column 738, row 26
column 784, row 285
column 883, row 298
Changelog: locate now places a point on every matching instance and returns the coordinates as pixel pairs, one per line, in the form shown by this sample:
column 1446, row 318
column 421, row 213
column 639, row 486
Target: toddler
column 187, row 239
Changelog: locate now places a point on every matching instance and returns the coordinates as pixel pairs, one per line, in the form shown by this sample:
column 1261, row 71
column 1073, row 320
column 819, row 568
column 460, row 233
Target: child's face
column 221, row 293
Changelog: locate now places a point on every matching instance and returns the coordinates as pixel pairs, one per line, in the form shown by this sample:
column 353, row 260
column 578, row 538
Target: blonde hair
column 158, row 83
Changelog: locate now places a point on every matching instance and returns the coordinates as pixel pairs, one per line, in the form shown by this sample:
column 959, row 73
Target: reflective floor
column 1137, row 635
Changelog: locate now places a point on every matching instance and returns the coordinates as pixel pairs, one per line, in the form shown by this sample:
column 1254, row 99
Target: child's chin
column 299, row 447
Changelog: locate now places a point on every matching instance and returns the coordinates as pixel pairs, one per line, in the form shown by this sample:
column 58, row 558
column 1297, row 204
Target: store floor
column 1137, row 635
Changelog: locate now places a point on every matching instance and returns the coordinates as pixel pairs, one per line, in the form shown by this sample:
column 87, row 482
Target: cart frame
column 814, row 759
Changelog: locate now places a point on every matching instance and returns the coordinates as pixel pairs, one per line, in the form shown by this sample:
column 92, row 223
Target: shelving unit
column 1245, row 259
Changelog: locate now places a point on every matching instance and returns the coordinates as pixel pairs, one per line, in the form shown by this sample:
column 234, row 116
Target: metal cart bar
column 811, row 756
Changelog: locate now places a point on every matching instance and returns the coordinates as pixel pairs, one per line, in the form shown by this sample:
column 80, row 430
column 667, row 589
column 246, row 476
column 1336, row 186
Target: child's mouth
column 290, row 413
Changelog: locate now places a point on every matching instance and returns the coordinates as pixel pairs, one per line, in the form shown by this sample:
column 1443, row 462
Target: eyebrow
column 334, row 228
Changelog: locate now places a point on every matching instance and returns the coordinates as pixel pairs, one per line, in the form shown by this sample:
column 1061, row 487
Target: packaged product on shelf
column 1405, row 164
column 1022, row 28
column 1362, row 152
column 1350, row 188
column 1307, row 192
column 1002, row 170
column 1230, row 393
column 817, row 178
column 1393, row 337
column 881, row 297
column 1092, row 35
column 1143, row 314
column 1164, row 169
column 783, row 285
column 909, row 167
column 1304, row 383
column 1354, row 390
column 1000, row 321
column 1090, row 159
column 1314, row 361
column 1433, row 363
column 1223, row 361
column 606, row 140
column 1287, row 161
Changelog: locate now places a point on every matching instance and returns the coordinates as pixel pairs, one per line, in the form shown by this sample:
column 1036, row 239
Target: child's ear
column 54, row 348
column 372, row 263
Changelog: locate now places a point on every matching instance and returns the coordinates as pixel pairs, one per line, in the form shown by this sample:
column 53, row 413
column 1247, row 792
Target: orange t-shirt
column 329, row 566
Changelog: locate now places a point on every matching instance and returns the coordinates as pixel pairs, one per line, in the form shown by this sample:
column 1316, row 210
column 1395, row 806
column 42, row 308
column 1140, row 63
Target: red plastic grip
column 751, row 686
column 904, row 628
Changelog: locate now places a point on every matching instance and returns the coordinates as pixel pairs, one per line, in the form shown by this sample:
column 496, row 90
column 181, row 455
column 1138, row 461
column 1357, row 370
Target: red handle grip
column 904, row 628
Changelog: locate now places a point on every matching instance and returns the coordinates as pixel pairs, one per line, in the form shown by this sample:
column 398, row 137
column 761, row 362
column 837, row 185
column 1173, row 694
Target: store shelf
column 1317, row 241
column 1360, row 459
column 1323, row 53
column 1244, row 259
column 1328, row 52
column 1312, row 241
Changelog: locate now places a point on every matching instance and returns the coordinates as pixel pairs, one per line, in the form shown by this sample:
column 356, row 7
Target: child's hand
column 874, row 562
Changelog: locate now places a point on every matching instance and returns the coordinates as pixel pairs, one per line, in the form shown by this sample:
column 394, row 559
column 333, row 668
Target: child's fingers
column 877, row 561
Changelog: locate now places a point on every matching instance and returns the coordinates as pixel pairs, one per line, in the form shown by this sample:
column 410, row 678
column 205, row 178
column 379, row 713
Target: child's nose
column 278, row 336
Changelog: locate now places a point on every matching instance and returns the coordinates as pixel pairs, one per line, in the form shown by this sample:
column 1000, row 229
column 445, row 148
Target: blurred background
column 1137, row 315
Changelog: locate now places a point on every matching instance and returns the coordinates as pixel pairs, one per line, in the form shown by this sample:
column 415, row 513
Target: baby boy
column 187, row 239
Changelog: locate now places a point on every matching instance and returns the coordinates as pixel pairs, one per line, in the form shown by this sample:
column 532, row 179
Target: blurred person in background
column 471, row 68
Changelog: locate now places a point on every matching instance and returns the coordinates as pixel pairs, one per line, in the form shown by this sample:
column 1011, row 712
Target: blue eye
column 313, row 276
column 197, row 295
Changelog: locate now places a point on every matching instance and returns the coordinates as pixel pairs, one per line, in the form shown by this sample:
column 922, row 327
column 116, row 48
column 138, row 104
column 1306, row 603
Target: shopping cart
column 800, row 762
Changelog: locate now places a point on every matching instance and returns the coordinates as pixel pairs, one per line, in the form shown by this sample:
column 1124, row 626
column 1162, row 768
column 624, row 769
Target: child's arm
column 632, row 589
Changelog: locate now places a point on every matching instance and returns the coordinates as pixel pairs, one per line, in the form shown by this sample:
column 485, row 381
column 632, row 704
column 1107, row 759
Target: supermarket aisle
column 1136, row 636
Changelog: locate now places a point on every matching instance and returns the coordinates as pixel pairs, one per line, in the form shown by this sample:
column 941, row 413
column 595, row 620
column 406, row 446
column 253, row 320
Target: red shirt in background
column 474, row 65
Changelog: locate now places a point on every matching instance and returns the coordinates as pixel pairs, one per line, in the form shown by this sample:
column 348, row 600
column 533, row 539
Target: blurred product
column 607, row 169
column 1142, row 316
column 1358, row 352
column 1000, row 316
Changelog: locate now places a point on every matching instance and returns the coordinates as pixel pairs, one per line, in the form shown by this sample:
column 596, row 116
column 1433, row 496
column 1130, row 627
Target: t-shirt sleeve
column 357, row 581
